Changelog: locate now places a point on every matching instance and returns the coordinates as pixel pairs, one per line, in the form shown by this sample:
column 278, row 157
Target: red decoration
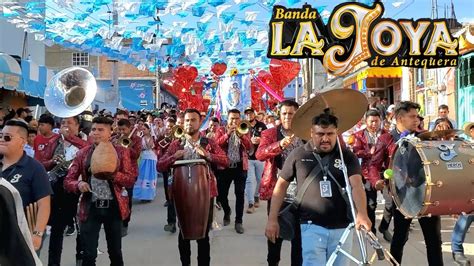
column 186, row 75
column 284, row 71
column 219, row 68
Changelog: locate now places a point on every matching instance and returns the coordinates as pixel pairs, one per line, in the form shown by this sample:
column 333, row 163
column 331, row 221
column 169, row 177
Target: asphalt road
column 148, row 244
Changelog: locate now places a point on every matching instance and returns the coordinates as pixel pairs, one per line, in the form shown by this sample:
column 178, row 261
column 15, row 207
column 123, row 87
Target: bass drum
column 191, row 196
column 433, row 177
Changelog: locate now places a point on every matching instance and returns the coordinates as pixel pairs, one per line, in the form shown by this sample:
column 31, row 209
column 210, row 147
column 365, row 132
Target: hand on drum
column 272, row 231
column 202, row 152
column 179, row 154
column 363, row 220
column 379, row 185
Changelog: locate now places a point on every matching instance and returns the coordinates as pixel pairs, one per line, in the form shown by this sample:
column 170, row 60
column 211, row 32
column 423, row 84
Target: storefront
column 377, row 83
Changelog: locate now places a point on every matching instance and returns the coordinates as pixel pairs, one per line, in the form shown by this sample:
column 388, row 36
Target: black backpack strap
column 309, row 179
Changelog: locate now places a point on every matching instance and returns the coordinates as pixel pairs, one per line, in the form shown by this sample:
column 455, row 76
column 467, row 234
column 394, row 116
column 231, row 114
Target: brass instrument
column 243, row 128
column 177, row 132
column 127, row 141
column 70, row 92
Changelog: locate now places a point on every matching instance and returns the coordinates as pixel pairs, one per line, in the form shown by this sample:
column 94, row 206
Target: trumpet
column 243, row 128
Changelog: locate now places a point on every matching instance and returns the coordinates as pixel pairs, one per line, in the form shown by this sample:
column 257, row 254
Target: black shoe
column 460, row 259
column 124, row 231
column 239, row 228
column 386, row 235
column 226, row 220
column 170, row 228
column 70, row 230
column 79, row 262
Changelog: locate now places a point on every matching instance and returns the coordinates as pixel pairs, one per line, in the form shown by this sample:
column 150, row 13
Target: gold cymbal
column 349, row 106
column 439, row 134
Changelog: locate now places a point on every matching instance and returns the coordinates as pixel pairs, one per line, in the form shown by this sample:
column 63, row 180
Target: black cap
column 249, row 109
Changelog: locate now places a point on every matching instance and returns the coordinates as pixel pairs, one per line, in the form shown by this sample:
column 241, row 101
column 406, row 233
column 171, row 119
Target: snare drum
column 191, row 196
column 433, row 177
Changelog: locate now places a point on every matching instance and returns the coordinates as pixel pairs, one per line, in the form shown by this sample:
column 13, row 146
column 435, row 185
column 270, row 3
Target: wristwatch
column 38, row 233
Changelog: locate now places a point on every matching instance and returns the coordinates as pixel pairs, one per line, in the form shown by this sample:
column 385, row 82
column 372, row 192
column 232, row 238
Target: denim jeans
column 459, row 232
column 254, row 175
column 319, row 243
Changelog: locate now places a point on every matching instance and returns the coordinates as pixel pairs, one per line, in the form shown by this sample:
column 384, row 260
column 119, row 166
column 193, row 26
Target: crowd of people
column 50, row 162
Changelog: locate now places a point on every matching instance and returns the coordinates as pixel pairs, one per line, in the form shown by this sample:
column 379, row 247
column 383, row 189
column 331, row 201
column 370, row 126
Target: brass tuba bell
column 70, row 92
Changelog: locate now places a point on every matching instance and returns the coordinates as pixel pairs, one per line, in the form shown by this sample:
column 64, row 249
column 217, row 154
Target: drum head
column 409, row 180
column 184, row 162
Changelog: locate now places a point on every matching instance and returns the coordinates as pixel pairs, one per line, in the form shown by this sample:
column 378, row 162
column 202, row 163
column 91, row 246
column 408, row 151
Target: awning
column 10, row 72
column 373, row 72
column 35, row 78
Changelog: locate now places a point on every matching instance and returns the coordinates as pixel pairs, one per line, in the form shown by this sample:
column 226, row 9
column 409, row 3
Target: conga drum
column 433, row 177
column 191, row 195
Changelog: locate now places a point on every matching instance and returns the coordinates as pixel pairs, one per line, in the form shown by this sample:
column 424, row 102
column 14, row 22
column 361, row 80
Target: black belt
column 235, row 165
column 102, row 203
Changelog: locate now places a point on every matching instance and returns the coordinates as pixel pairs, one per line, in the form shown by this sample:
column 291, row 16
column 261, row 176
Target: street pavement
column 148, row 244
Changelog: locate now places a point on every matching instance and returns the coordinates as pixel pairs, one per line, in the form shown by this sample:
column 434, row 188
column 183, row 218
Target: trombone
column 177, row 132
column 127, row 141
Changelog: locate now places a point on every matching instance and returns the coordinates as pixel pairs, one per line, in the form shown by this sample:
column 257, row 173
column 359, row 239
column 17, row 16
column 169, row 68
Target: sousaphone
column 348, row 105
column 69, row 93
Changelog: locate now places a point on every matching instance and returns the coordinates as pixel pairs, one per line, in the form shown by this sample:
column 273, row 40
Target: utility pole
column 157, row 66
column 115, row 67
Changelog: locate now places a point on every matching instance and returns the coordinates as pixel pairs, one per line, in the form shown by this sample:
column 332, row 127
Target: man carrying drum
column 193, row 147
column 406, row 115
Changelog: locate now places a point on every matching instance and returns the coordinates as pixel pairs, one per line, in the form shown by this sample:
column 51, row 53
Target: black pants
column 274, row 249
column 171, row 217
column 90, row 229
column 387, row 211
column 63, row 211
column 431, row 227
column 130, row 199
column 224, row 180
column 204, row 247
column 371, row 194
column 165, row 185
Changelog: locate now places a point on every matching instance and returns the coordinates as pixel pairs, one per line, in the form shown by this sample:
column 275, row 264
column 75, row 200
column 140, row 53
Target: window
column 80, row 59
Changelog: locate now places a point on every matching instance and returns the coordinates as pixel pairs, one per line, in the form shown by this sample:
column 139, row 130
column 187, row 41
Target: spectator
column 443, row 112
column 30, row 142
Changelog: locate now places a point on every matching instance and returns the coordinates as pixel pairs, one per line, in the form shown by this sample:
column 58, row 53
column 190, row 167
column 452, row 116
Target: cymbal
column 349, row 106
column 439, row 134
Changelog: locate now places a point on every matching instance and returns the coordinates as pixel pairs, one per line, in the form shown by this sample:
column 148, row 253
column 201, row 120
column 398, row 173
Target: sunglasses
column 6, row 138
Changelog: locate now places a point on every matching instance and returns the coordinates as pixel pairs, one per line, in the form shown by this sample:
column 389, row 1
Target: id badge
column 325, row 188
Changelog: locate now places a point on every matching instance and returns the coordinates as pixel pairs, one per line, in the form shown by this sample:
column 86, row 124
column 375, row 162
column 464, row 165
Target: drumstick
column 35, row 213
column 29, row 218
